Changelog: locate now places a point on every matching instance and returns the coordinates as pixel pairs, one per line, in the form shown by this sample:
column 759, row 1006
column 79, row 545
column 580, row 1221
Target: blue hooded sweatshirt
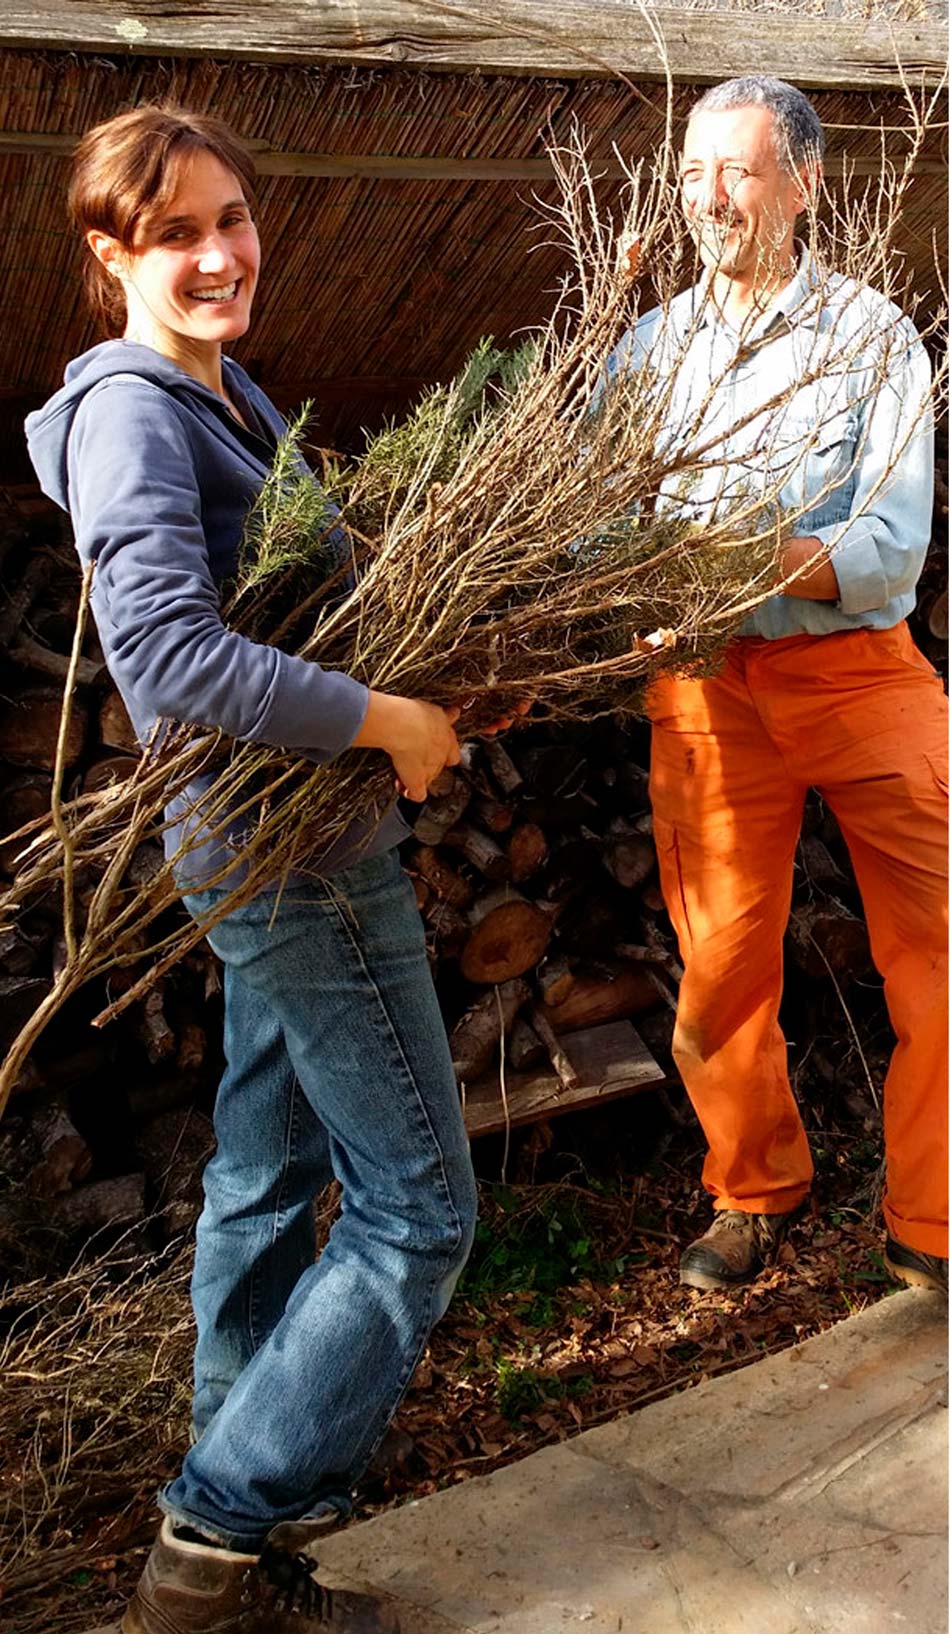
column 158, row 476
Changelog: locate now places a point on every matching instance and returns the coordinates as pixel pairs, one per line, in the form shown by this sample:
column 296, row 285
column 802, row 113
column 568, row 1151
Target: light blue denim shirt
column 849, row 451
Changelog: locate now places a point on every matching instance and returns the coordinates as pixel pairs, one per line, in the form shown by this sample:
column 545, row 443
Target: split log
column 523, row 1047
column 30, row 654
column 474, row 1039
column 192, row 1047
column 492, row 814
column 595, row 999
column 173, row 1149
column 630, row 859
column 555, row 980
column 29, row 728
column 25, row 797
column 146, row 861
column 481, row 850
column 106, row 1204
column 18, row 601
column 509, row 936
column 115, row 729
column 151, row 1096
column 554, row 770
column 24, row 946
column 572, row 869
column 558, row 1056
column 89, row 1064
column 819, row 865
column 828, row 936
column 632, row 786
column 936, row 616
column 65, row 1158
column 449, row 886
column 527, row 851
column 448, row 797
column 651, row 952
column 651, row 898
column 19, row 997
column 107, row 770
column 503, row 768
column 152, row 1027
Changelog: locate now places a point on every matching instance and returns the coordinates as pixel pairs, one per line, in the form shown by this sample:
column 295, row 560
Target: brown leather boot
column 917, row 1269
column 734, row 1249
column 194, row 1588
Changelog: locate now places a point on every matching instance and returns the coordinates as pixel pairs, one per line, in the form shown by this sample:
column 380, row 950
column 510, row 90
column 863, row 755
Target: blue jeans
column 337, row 1064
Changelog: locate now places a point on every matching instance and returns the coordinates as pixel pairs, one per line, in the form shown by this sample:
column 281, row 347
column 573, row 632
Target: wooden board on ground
column 610, row 1061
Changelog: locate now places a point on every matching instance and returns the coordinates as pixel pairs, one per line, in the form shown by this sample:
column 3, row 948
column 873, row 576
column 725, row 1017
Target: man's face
column 740, row 205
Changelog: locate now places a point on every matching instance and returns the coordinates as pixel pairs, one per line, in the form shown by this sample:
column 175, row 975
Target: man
column 823, row 688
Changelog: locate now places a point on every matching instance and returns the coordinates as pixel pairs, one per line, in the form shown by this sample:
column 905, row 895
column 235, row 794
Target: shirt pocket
column 822, row 460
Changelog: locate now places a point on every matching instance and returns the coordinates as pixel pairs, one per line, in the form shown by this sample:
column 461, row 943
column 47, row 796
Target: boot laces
column 297, row 1588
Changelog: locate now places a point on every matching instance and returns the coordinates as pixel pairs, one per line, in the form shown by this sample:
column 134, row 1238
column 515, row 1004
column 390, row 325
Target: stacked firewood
column 104, row 1129
column 535, row 873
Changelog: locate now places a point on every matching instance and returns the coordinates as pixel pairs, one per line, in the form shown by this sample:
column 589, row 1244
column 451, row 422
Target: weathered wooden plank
column 410, row 167
column 600, row 38
column 609, row 1060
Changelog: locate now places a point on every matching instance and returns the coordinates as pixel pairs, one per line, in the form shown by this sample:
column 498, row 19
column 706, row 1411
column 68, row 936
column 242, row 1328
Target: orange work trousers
column 862, row 717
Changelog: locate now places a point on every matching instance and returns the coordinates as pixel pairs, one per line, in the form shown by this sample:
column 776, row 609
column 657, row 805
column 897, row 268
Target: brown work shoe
column 195, row 1588
column 734, row 1249
column 917, row 1269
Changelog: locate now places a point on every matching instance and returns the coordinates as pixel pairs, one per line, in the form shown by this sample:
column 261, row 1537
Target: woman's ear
column 107, row 250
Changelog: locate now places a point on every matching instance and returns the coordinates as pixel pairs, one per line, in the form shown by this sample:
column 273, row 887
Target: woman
column 337, row 1062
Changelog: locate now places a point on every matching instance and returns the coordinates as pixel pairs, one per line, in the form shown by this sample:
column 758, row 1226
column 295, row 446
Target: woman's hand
column 418, row 738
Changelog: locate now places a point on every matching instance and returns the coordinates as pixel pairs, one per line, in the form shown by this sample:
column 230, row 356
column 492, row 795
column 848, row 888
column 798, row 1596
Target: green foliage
column 407, row 456
column 289, row 524
column 539, row 1249
column 518, row 1390
column 521, row 1388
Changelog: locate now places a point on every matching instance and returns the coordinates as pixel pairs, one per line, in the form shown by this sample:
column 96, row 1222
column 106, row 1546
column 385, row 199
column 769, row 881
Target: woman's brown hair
column 125, row 171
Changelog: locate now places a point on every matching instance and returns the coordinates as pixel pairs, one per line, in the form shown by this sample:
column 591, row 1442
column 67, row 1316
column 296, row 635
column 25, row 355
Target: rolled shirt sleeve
column 877, row 553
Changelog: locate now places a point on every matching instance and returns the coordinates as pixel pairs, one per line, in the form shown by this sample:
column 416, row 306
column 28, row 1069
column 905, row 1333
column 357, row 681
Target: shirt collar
column 799, row 301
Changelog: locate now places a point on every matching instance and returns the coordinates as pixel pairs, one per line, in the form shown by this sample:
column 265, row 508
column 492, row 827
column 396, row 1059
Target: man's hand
column 504, row 721
column 418, row 738
column 817, row 582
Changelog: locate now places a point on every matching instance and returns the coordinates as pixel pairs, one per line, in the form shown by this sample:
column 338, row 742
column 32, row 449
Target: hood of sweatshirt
column 48, row 428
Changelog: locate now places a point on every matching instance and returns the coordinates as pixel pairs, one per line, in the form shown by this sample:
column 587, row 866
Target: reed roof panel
column 371, row 286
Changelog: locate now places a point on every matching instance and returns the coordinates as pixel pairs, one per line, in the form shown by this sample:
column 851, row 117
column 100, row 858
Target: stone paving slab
column 806, row 1494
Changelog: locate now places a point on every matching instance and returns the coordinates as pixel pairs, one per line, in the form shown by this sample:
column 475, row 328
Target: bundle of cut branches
column 528, row 533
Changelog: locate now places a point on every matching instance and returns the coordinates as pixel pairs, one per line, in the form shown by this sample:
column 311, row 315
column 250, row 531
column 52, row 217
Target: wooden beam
column 578, row 38
column 407, row 167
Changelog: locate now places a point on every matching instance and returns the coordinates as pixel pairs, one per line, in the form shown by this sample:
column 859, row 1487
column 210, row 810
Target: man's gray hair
column 800, row 139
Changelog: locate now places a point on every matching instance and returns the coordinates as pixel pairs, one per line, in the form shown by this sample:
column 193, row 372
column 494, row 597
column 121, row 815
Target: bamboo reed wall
column 370, row 287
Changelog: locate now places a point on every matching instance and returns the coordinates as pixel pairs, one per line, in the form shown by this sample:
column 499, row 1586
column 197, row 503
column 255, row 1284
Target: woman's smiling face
column 193, row 268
